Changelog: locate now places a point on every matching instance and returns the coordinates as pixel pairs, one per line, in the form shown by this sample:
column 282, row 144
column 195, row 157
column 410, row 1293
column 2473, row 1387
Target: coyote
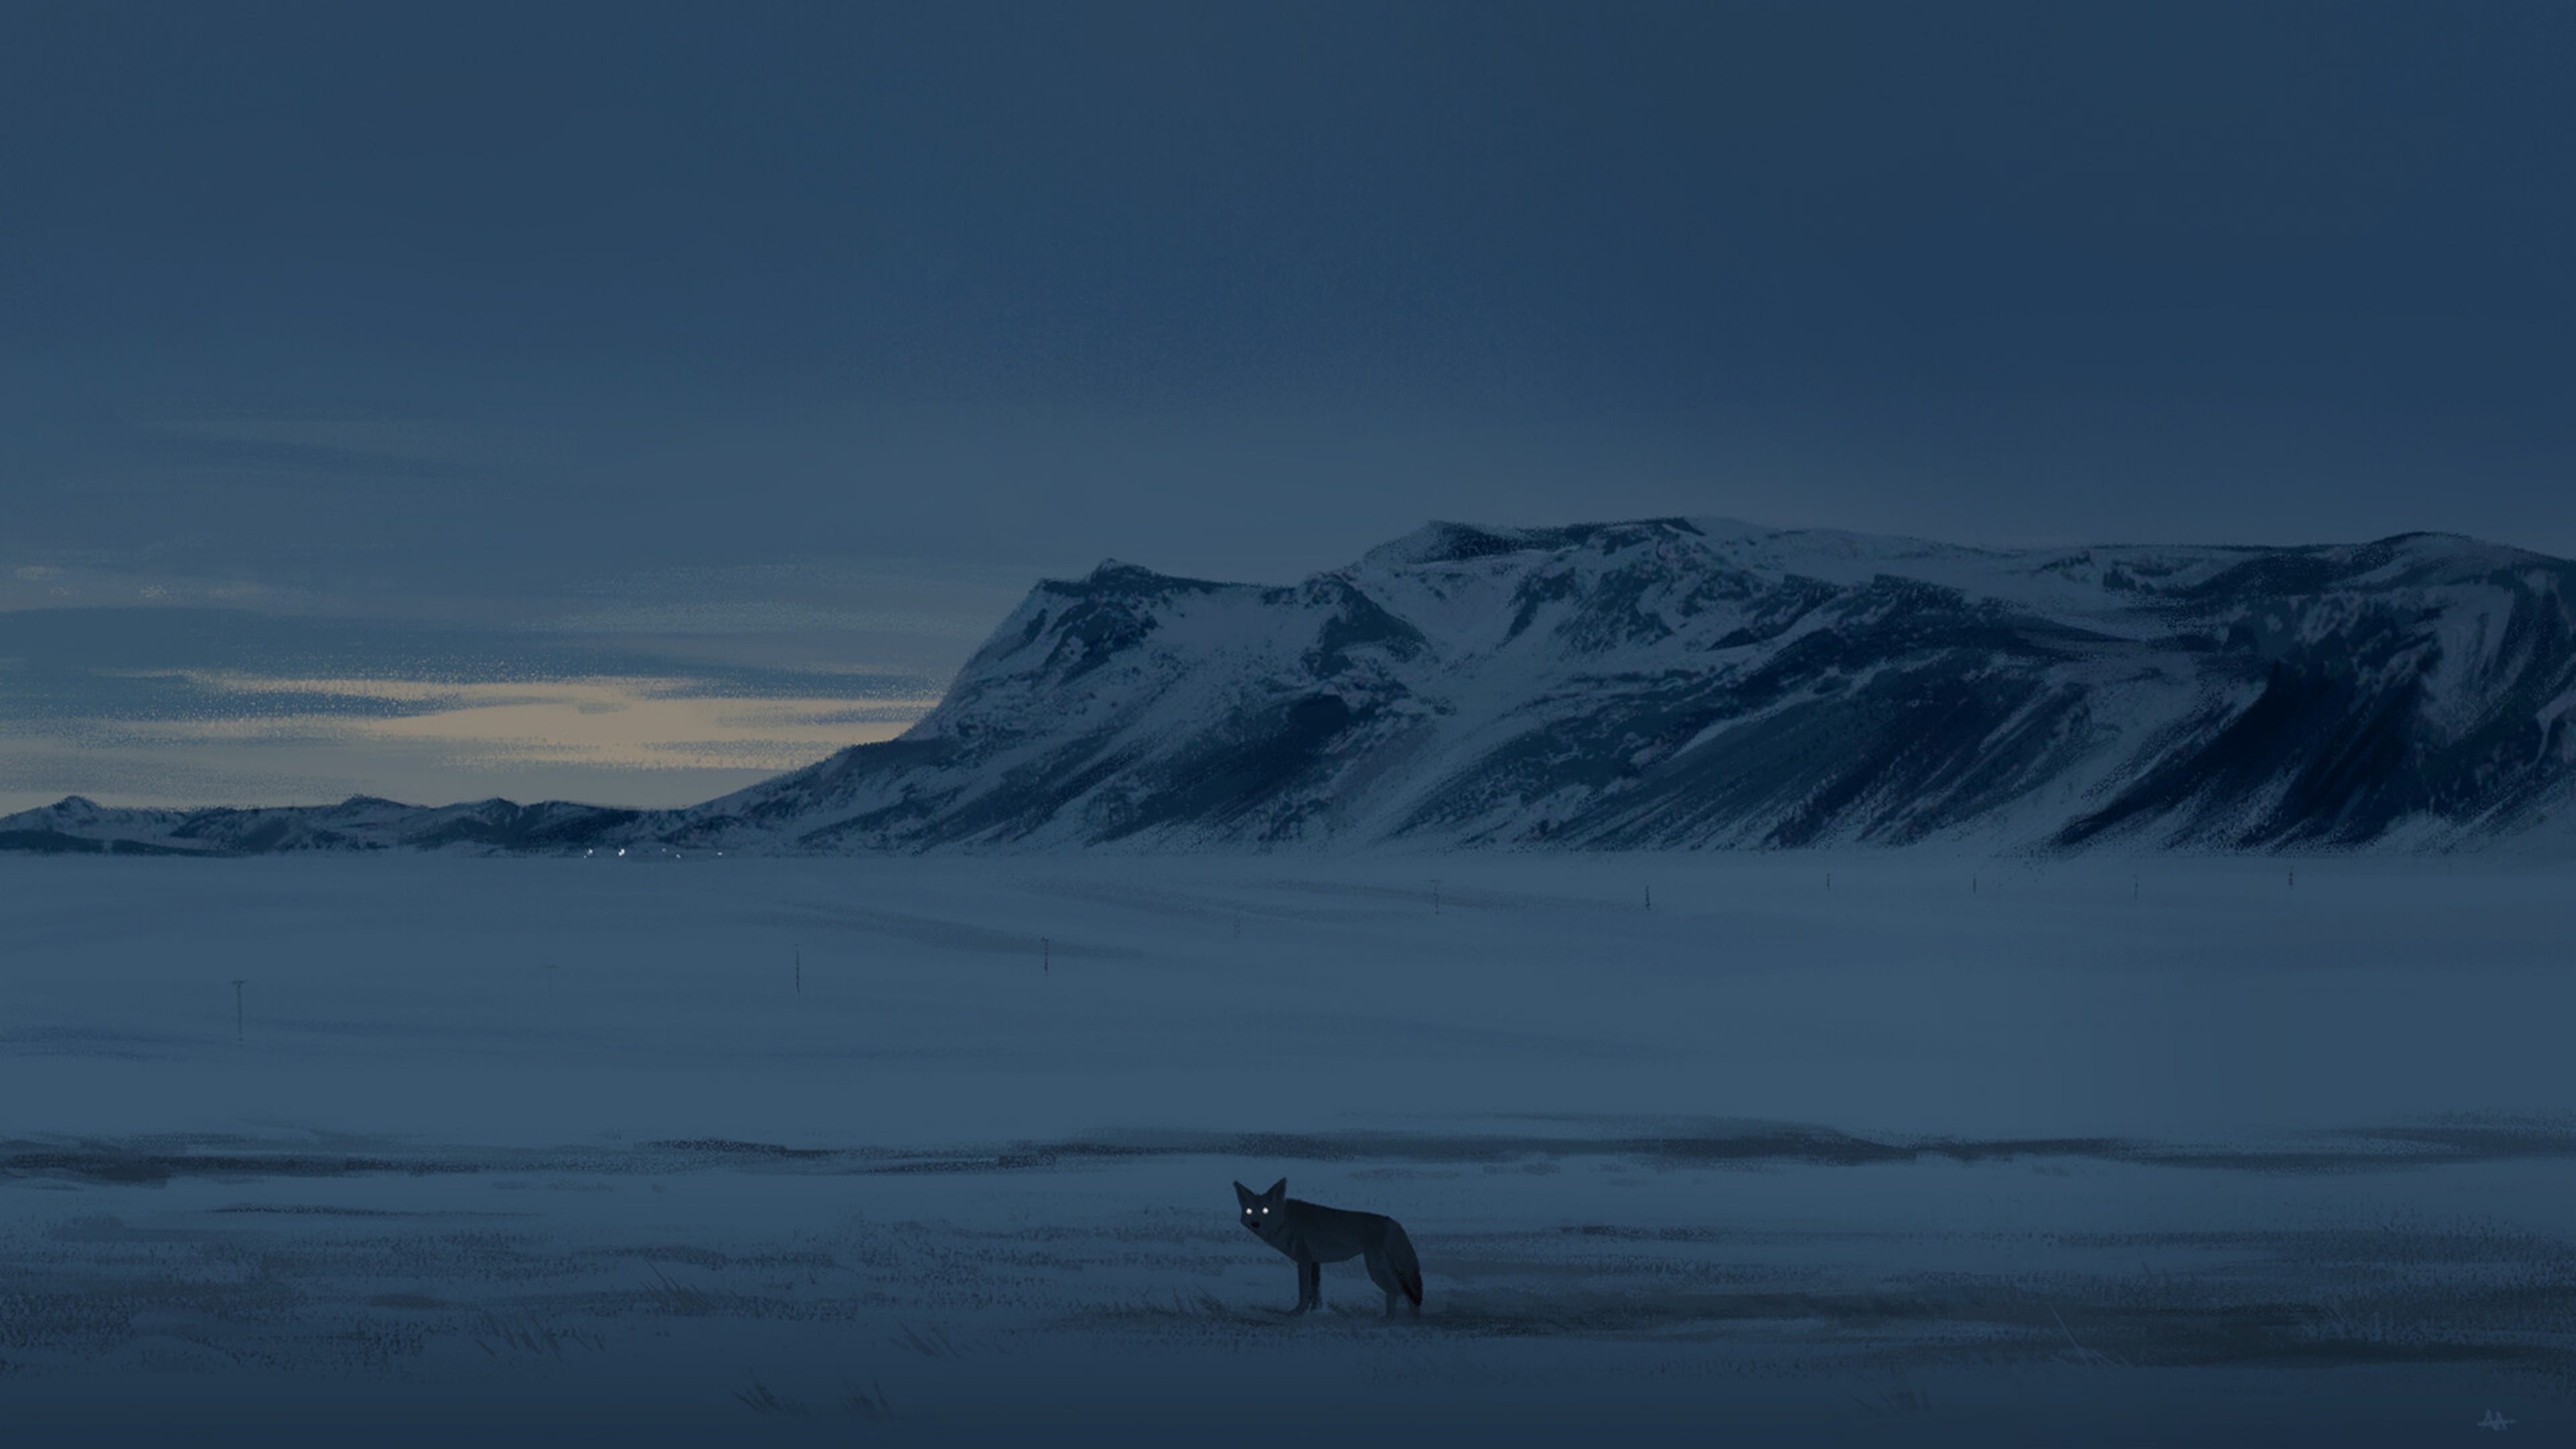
column 1312, row 1236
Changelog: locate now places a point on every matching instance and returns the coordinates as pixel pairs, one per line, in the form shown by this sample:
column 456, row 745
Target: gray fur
column 1312, row 1235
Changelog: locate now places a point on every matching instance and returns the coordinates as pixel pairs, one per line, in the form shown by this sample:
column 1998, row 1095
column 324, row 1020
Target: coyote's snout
column 1312, row 1236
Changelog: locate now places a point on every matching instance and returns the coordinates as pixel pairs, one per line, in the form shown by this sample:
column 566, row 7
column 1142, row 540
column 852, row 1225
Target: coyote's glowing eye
column 1265, row 1209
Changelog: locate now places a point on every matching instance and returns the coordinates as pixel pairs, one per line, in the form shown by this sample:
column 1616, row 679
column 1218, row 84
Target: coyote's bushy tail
column 1407, row 1268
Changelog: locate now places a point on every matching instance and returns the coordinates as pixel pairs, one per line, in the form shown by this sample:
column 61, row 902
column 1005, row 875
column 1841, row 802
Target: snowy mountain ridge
column 1666, row 683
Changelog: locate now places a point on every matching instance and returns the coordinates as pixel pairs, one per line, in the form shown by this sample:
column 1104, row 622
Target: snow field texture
column 1946, row 1150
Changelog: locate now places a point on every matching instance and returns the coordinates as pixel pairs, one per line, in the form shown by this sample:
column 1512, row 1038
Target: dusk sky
column 624, row 403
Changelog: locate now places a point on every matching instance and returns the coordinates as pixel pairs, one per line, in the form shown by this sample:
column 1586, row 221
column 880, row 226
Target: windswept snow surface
column 1940, row 1151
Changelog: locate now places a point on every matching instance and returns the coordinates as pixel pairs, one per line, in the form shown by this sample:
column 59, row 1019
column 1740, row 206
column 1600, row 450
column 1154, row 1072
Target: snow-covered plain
column 1865, row 1149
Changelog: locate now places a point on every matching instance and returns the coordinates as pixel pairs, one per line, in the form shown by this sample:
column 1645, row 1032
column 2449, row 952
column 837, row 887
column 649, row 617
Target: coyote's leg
column 1310, row 1287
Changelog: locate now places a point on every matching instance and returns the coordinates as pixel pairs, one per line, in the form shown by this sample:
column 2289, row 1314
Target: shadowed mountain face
column 1670, row 683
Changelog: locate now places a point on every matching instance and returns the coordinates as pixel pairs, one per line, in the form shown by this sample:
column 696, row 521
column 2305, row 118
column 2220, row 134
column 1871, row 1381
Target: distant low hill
column 1663, row 684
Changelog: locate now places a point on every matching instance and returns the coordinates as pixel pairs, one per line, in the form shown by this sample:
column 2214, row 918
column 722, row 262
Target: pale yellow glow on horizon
column 614, row 722
column 641, row 741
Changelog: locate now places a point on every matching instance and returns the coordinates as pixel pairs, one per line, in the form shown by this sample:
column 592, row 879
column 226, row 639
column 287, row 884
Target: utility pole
column 1650, row 898
column 1046, row 956
column 1435, row 895
column 237, row 1008
column 800, row 968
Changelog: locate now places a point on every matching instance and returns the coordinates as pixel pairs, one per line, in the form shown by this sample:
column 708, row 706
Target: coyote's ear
column 1277, row 1190
column 1244, row 1194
